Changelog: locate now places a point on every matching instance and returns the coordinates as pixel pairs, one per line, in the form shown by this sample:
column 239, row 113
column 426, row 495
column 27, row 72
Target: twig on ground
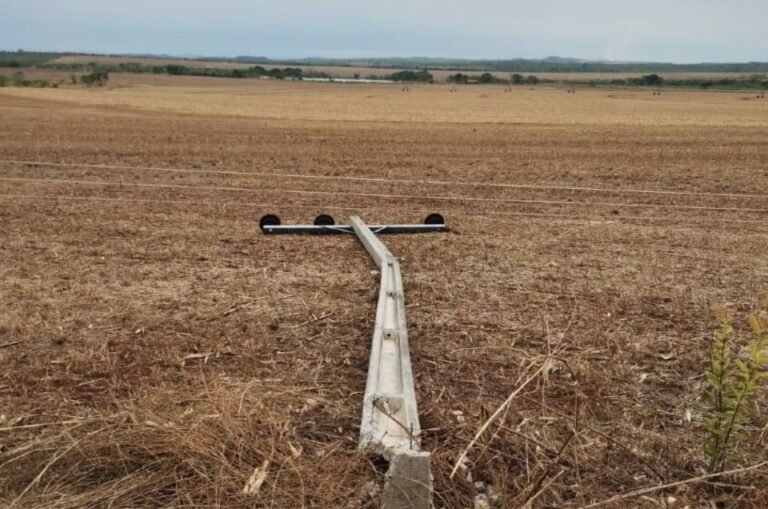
column 651, row 469
column 535, row 485
column 658, row 487
column 41, row 425
column 496, row 414
column 552, row 353
column 544, row 488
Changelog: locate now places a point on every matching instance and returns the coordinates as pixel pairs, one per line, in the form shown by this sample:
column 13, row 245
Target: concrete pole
column 390, row 423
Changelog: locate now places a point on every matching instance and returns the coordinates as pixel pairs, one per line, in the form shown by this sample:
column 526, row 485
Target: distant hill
column 549, row 64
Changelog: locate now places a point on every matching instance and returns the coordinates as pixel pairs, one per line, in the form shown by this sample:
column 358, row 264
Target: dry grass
column 425, row 103
column 200, row 457
column 104, row 302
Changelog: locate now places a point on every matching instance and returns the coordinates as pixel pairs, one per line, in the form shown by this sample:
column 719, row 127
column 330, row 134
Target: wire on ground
column 382, row 195
column 384, row 179
column 484, row 215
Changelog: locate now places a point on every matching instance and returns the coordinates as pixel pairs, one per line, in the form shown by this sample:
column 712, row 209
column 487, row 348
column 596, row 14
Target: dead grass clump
column 205, row 456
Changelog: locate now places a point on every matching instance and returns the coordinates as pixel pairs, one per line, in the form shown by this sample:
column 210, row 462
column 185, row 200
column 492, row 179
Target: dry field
column 157, row 348
column 279, row 101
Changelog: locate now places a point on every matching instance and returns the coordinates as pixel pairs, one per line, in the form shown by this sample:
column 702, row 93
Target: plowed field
column 156, row 348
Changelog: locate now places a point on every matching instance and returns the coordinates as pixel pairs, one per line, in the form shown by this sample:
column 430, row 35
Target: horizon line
column 193, row 56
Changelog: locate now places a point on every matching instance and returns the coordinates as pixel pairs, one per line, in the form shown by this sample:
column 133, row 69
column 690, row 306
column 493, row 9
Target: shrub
column 176, row 70
column 422, row 76
column 649, row 80
column 653, row 80
column 458, row 78
column 18, row 79
column 97, row 78
column 486, row 77
column 3, row 81
column 733, row 380
column 293, row 72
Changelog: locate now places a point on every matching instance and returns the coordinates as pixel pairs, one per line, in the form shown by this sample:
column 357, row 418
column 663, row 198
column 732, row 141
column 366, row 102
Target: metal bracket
column 312, row 229
column 325, row 225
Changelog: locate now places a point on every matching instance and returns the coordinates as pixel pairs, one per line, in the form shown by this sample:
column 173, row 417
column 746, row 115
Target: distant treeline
column 19, row 80
column 422, row 76
column 758, row 80
column 96, row 78
column 488, row 78
column 521, row 65
column 183, row 70
column 517, row 65
column 755, row 81
column 18, row 59
column 255, row 71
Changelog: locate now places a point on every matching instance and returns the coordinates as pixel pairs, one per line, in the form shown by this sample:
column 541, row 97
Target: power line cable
column 387, row 180
column 353, row 209
column 383, row 195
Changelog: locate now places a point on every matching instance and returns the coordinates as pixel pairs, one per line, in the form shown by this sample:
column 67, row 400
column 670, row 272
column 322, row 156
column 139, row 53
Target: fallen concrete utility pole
column 390, row 422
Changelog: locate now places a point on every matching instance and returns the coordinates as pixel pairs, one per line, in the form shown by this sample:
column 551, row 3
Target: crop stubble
column 111, row 287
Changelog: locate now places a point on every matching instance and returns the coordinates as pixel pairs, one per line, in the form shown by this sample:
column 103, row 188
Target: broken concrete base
column 408, row 483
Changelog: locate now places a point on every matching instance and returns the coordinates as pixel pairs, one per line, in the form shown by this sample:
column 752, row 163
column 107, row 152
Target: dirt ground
column 157, row 349
column 434, row 104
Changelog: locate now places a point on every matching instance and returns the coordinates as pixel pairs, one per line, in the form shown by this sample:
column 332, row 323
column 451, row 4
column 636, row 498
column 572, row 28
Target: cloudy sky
column 659, row 30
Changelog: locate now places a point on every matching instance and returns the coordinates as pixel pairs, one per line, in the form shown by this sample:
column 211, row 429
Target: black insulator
column 434, row 219
column 269, row 220
column 324, row 220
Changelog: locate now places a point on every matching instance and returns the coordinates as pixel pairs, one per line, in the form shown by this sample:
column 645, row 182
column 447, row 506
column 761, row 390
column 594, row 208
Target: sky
column 648, row 30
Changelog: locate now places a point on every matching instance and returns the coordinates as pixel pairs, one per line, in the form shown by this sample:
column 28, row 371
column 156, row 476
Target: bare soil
column 157, row 348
